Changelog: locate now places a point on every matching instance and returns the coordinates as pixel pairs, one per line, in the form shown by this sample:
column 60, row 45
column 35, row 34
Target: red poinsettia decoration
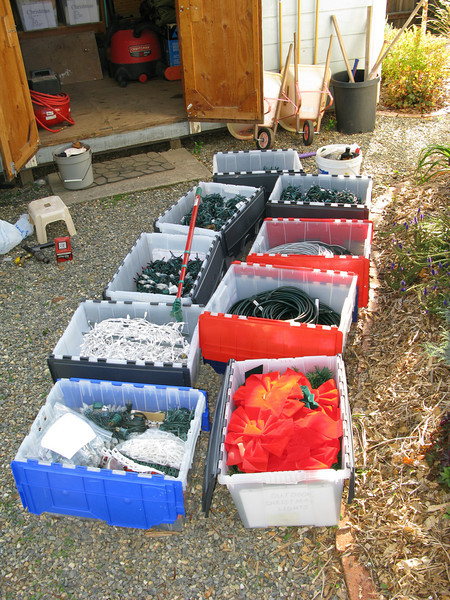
column 282, row 424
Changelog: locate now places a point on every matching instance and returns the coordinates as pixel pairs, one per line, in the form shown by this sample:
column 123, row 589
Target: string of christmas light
column 135, row 339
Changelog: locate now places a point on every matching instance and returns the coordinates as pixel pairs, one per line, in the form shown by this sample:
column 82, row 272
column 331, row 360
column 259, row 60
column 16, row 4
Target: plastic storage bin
column 359, row 185
column 356, row 236
column 65, row 360
column 254, row 167
column 154, row 246
column 235, row 232
column 224, row 336
column 120, row 498
column 281, row 498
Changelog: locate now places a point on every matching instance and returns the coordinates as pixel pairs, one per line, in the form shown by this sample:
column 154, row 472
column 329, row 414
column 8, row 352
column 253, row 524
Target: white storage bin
column 243, row 224
column 281, row 498
column 154, row 246
column 65, row 360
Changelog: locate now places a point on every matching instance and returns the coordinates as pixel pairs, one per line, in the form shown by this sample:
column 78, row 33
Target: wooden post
column 316, row 33
column 324, row 84
column 296, row 96
column 344, row 53
column 299, row 4
column 423, row 25
column 368, row 42
column 374, row 70
column 281, row 92
column 280, row 33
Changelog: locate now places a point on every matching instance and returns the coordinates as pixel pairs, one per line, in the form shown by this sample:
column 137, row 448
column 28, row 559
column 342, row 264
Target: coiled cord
column 286, row 303
column 310, row 248
column 53, row 102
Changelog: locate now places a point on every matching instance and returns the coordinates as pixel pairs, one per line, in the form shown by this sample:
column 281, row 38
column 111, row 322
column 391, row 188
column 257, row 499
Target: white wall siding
column 352, row 19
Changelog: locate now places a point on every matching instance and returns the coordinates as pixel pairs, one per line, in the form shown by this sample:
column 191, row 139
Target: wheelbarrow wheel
column 308, row 132
column 265, row 138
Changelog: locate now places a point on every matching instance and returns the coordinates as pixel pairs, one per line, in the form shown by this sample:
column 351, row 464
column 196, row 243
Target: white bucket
column 76, row 170
column 334, row 166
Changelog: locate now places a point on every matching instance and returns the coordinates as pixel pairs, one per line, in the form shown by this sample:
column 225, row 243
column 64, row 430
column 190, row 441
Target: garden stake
column 374, row 70
column 344, row 53
column 176, row 308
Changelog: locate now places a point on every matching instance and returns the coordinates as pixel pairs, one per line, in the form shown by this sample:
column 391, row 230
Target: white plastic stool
column 47, row 210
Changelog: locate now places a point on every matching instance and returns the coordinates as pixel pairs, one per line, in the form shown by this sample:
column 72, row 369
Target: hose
column 286, row 303
column 54, row 102
column 310, row 248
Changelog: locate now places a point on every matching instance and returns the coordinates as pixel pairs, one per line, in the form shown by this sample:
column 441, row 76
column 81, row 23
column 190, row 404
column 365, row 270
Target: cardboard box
column 77, row 12
column 281, row 498
column 37, row 15
column 121, row 498
column 171, row 48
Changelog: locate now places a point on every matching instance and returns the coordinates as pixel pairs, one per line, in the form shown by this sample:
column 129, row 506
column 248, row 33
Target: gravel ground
column 49, row 557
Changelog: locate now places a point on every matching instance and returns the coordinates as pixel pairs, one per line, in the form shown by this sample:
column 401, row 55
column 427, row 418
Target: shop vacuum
column 134, row 51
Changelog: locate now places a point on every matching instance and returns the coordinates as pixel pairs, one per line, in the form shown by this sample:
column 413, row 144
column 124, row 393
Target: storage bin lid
column 215, row 440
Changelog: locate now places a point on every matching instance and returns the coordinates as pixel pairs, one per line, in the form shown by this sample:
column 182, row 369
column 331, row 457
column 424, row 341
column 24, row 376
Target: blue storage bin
column 120, row 498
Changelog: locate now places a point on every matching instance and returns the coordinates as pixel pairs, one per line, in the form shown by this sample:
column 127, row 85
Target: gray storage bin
column 65, row 360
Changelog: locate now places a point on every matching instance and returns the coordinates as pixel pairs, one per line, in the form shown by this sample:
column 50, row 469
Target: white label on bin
column 68, row 435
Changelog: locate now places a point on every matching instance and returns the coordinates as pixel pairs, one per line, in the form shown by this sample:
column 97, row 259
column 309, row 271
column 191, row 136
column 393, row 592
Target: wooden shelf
column 42, row 33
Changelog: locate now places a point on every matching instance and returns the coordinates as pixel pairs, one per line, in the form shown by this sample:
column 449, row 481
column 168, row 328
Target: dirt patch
column 398, row 393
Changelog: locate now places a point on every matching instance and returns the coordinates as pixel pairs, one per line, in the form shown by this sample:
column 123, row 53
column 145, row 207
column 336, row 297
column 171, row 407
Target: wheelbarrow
column 274, row 96
column 309, row 96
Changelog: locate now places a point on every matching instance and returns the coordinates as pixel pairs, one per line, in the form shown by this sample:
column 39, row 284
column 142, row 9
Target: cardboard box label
column 38, row 15
column 81, row 11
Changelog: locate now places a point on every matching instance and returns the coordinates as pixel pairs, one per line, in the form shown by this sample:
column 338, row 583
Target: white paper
column 68, row 435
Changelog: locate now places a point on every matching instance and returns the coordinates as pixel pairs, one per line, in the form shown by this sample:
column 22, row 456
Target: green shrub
column 434, row 161
column 416, row 71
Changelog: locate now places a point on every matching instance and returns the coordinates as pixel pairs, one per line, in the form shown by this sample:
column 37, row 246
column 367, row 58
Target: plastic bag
column 11, row 235
column 24, row 225
column 69, row 438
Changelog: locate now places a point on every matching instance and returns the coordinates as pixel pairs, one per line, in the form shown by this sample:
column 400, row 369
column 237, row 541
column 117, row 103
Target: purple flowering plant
column 421, row 262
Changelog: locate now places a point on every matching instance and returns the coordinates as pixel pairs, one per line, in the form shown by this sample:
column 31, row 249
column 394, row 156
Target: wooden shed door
column 221, row 55
column 18, row 130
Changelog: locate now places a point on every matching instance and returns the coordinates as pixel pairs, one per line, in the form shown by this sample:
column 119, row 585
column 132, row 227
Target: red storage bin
column 224, row 336
column 355, row 235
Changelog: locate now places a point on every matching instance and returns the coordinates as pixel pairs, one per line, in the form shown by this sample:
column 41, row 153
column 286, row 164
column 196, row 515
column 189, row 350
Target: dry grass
column 398, row 394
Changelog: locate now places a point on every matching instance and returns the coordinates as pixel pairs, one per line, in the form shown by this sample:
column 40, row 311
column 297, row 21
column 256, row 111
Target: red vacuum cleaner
column 135, row 51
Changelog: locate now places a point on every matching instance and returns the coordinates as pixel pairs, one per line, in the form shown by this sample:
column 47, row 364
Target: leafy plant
column 438, row 453
column 416, row 70
column 331, row 124
column 198, row 147
column 439, row 20
column 434, row 160
column 422, row 260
